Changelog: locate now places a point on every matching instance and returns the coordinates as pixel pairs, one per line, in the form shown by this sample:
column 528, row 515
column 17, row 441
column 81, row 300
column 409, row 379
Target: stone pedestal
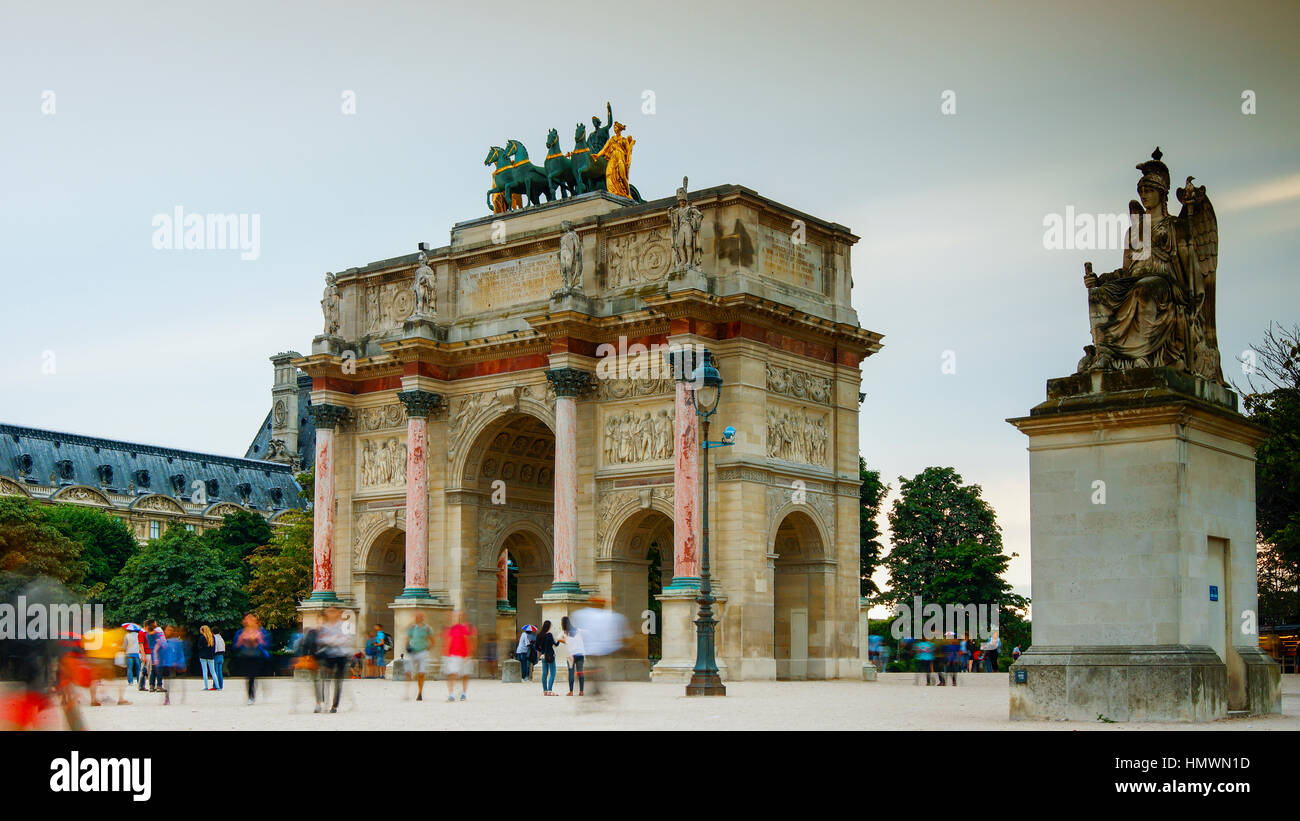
column 864, row 641
column 328, row 344
column 1142, row 516
column 679, row 611
column 437, row 614
column 510, row 672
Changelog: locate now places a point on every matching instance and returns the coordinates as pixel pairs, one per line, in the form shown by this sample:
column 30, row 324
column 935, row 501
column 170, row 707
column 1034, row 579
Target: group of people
column 153, row 653
column 942, row 658
column 592, row 633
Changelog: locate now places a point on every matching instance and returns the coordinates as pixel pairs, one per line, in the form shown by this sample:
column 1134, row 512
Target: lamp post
column 704, row 393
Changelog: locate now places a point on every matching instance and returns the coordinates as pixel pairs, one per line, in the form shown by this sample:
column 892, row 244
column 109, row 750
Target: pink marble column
column 568, row 383
column 686, row 478
column 419, row 404
column 322, row 572
column 503, row 580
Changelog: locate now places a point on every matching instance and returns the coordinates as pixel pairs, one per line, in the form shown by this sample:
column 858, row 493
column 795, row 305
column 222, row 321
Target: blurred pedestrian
column 383, row 645
column 103, row 646
column 419, row 639
column 458, row 655
column 1015, row 653
column 207, row 653
column 924, row 661
column 131, row 647
column 991, row 653
column 571, row 638
column 334, row 650
column 546, row 652
column 523, row 652
column 253, row 646
column 604, row 634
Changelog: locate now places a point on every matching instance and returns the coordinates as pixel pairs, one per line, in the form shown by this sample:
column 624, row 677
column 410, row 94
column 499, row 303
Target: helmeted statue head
column 681, row 193
column 1155, row 173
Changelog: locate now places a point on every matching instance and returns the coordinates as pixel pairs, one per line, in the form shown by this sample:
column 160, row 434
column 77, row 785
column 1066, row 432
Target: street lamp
column 704, row 393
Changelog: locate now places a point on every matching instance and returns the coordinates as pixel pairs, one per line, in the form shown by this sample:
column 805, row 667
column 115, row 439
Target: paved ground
column 893, row 703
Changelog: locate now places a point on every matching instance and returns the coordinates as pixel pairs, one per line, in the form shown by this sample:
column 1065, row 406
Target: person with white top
column 571, row 638
column 218, row 659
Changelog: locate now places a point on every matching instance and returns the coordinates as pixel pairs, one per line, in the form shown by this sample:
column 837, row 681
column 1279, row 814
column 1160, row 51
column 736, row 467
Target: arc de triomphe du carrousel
column 498, row 432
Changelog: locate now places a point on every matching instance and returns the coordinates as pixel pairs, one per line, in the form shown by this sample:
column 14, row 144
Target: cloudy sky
column 113, row 114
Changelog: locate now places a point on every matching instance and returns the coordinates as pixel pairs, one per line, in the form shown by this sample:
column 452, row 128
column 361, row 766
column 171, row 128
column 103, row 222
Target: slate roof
column 37, row 457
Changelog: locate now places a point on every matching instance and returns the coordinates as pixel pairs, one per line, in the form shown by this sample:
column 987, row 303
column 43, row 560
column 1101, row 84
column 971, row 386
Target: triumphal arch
column 497, row 430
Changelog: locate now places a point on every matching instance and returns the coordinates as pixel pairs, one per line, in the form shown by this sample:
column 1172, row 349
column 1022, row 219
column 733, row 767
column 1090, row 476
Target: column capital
column 569, row 381
column 419, row 403
column 328, row 417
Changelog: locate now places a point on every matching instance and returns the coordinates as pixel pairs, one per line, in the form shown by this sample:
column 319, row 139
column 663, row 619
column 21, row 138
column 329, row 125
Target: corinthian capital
column 569, row 381
column 419, row 403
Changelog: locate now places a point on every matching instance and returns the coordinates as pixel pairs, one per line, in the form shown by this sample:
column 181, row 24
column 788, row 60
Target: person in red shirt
column 458, row 657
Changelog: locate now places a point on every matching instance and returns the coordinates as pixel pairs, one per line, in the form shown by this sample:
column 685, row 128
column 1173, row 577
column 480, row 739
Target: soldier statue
column 425, row 284
column 685, row 220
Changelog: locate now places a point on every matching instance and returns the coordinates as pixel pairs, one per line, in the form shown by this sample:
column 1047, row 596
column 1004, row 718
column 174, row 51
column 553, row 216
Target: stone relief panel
column 637, row 435
column 8, row 487
column 635, row 259
column 464, row 410
column 612, row 389
column 381, row 461
column 387, row 306
column 84, row 495
column 385, row 417
column 796, row 435
column 799, row 384
column 159, row 503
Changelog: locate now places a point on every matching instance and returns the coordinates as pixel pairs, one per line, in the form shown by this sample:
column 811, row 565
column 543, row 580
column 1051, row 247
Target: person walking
column 458, row 655
column 546, row 645
column 334, row 651
column 605, row 633
column 383, row 645
column 145, row 656
column 218, row 659
column 419, row 638
column 924, row 661
column 253, row 646
column 991, row 653
column 523, row 652
column 157, row 639
column 131, row 647
column 207, row 653
column 571, row 638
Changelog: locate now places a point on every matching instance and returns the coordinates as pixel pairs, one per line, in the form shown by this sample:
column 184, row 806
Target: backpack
column 388, row 642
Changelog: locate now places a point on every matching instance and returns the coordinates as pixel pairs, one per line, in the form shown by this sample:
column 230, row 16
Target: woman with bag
column 253, row 646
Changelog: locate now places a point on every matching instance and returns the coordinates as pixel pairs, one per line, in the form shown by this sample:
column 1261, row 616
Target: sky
column 943, row 134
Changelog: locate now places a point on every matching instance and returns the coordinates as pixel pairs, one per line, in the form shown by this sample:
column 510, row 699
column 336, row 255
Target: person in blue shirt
column 924, row 660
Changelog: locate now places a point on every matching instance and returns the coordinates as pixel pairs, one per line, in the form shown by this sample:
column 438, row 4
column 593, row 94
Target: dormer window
column 178, row 484
column 65, row 472
column 24, row 463
column 142, row 478
column 105, row 474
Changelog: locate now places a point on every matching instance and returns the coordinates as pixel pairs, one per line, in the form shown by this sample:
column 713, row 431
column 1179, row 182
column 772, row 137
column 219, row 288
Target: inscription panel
column 509, row 282
column 782, row 259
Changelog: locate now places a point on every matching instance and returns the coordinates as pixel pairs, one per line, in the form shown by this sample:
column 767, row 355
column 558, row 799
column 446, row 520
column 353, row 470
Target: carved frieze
column 388, row 305
column 382, row 461
column 385, row 417
column 612, row 389
column 798, row 384
column 635, row 259
column 638, row 435
column 797, row 435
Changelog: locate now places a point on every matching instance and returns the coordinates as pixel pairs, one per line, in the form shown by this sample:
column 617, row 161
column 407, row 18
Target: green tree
column 239, row 535
column 947, row 546
column 280, row 572
column 1271, row 397
column 872, row 495
column 106, row 542
column 31, row 546
column 181, row 579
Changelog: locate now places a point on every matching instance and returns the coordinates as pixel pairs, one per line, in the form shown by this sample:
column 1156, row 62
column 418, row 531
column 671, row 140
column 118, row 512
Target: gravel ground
column 892, row 703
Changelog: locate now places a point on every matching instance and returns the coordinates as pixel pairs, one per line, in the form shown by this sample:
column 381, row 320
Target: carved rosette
column 385, row 417
column 569, row 381
column 328, row 417
column 419, row 403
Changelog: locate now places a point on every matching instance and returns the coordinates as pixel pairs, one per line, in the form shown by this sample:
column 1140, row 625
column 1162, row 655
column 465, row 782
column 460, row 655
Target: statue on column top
column 1158, row 309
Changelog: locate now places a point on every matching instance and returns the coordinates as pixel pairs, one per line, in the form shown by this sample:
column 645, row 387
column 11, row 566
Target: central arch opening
column 640, row 565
